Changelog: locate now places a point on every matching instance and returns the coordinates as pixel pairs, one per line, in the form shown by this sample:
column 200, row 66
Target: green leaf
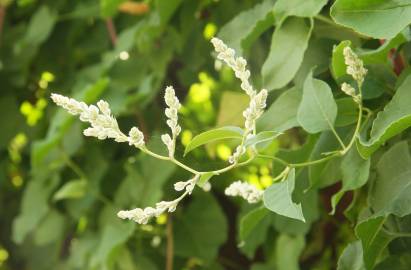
column 318, row 110
column 373, row 239
column 299, row 8
column 51, row 229
column 34, row 206
column 264, row 136
column 112, row 236
column 166, row 9
column 246, row 26
column 278, row 198
column 40, row 26
column 347, row 112
column 395, row 118
column 109, row 8
column 384, row 18
column 204, row 178
column 351, row 258
column 71, row 190
column 355, row 172
column 338, row 67
column 205, row 224
column 282, row 114
column 232, row 105
column 391, row 191
column 381, row 54
column 250, row 221
column 288, row 250
column 288, row 44
column 228, row 132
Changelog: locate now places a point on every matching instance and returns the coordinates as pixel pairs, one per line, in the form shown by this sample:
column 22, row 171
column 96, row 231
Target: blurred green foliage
column 60, row 192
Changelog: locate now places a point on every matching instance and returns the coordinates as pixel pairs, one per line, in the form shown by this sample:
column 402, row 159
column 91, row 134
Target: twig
column 2, row 16
column 170, row 244
column 111, row 31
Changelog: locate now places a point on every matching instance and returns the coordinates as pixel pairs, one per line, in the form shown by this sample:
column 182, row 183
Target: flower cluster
column 173, row 105
column 355, row 66
column 238, row 65
column 246, row 191
column 187, row 185
column 255, row 109
column 257, row 100
column 103, row 124
column 142, row 216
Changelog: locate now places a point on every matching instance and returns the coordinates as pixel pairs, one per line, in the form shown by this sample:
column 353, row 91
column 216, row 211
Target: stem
column 73, row 166
column 2, row 16
column 302, row 164
column 170, row 244
column 324, row 19
column 338, row 137
column 111, row 31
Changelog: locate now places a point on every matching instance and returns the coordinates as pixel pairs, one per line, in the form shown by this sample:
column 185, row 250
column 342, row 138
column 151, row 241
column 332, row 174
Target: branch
column 111, row 31
column 2, row 16
column 170, row 244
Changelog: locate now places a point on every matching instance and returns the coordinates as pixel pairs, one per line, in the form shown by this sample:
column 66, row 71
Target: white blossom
column 187, row 185
column 239, row 151
column 255, row 109
column 355, row 66
column 245, row 190
column 238, row 65
column 142, row 216
column 171, row 112
column 103, row 124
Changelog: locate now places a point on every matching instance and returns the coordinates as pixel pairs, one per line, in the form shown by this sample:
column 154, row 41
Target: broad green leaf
column 264, row 136
column 109, row 8
column 325, row 173
column 40, row 26
column 254, row 228
column 355, row 171
column 205, row 224
column 352, row 257
column 288, row 45
column 391, row 191
column 282, row 114
column 251, row 220
column 51, row 229
column 71, row 190
column 247, row 25
column 112, row 236
column 381, row 54
column 318, row 110
column 395, row 118
column 299, row 8
column 228, row 132
column 384, row 18
column 395, row 262
column 373, row 239
column 338, row 67
column 347, row 112
column 232, row 105
column 204, row 178
column 278, row 198
column 34, row 207
column 288, row 250
column 166, row 9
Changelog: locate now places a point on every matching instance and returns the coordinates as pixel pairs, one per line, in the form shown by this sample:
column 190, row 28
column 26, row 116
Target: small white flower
column 239, row 151
column 255, row 109
column 238, row 65
column 246, row 191
column 171, row 112
column 103, row 124
column 355, row 66
column 136, row 137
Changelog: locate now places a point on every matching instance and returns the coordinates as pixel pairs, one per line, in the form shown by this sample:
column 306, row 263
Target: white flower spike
column 245, row 190
column 355, row 66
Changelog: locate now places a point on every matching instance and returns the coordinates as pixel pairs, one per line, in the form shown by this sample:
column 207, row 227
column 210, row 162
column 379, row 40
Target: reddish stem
column 111, row 31
column 2, row 16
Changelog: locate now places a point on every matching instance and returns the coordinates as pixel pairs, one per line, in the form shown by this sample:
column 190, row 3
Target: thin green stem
column 338, row 137
column 73, row 166
column 324, row 19
column 302, row 164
